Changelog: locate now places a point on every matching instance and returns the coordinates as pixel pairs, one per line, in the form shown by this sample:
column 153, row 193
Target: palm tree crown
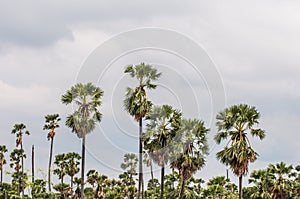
column 234, row 123
column 136, row 102
column 51, row 123
column 88, row 99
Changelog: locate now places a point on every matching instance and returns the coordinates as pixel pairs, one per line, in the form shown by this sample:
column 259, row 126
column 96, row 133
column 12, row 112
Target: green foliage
column 87, row 98
column 234, row 123
column 136, row 101
column 51, row 123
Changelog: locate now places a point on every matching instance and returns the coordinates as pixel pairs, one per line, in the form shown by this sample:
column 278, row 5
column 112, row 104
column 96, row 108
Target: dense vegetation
column 169, row 140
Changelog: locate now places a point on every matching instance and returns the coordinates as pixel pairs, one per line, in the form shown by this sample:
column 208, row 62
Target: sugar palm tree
column 149, row 163
column 137, row 104
column 130, row 163
column 164, row 123
column 193, row 136
column 263, row 181
column 3, row 150
column 87, row 97
column 61, row 167
column 51, row 124
column 15, row 158
column 73, row 161
column 281, row 185
column 234, row 123
column 19, row 130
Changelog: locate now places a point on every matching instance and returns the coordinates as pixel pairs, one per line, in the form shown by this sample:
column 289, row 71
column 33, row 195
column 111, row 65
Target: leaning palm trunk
column 82, row 167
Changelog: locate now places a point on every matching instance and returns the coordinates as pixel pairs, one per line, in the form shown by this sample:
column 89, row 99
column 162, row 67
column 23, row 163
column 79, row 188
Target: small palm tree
column 149, row 163
column 130, row 163
column 194, row 149
column 138, row 105
column 164, row 123
column 17, row 177
column 263, row 181
column 61, row 167
column 83, row 121
column 51, row 124
column 281, row 185
column 3, row 150
column 234, row 123
column 18, row 130
column 73, row 161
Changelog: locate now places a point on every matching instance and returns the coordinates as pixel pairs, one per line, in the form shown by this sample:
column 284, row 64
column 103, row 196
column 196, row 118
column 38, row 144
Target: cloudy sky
column 253, row 47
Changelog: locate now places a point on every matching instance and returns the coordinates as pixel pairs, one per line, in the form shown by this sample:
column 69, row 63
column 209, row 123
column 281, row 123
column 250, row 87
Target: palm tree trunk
column 49, row 166
column 140, row 160
column 1, row 175
column 130, row 176
column 240, row 187
column 162, row 177
column 72, row 183
column 162, row 181
column 82, row 167
column 22, row 178
column 182, row 189
column 151, row 170
column 19, row 182
column 32, row 167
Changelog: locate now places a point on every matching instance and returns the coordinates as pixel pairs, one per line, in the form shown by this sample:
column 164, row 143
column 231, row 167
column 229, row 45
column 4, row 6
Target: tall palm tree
column 3, row 150
column 51, row 124
column 137, row 104
column 130, row 163
column 234, row 123
column 164, row 123
column 87, row 97
column 18, row 130
column 193, row 136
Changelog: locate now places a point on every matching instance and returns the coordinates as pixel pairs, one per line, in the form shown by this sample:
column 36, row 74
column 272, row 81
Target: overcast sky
column 254, row 46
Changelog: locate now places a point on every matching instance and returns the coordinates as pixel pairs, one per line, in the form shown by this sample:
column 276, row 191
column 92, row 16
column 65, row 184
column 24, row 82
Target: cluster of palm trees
column 168, row 140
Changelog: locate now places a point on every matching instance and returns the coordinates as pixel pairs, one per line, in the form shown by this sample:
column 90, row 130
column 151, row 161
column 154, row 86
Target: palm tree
column 3, row 150
column 51, row 124
column 164, row 123
column 148, row 161
column 137, row 104
column 18, row 130
column 234, row 123
column 263, row 181
column 130, row 163
column 72, row 159
column 61, row 167
column 83, row 121
column 17, row 177
column 281, row 185
column 193, row 136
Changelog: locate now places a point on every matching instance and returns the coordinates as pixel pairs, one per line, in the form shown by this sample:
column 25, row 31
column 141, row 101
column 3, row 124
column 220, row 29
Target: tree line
column 169, row 140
